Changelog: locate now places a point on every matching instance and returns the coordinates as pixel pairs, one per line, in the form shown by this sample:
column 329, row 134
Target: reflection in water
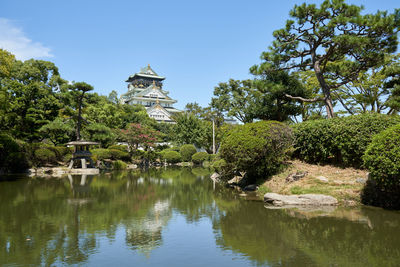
column 169, row 216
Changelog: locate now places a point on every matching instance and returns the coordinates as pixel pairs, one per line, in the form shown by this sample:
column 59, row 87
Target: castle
column 145, row 88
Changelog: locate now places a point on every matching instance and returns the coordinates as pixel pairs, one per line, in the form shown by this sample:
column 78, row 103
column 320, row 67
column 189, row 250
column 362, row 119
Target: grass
column 341, row 182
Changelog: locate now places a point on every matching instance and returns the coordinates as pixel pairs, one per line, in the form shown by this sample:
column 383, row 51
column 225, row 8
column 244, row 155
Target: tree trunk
column 326, row 90
column 78, row 127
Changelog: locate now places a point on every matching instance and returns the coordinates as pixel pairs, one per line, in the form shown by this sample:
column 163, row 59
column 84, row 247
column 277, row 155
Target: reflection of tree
column 44, row 222
column 276, row 238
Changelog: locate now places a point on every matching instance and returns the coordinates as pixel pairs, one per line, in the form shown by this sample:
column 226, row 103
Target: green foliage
column 200, row 157
column 61, row 152
column 57, row 131
column 171, row 156
column 219, row 165
column 263, row 98
column 119, row 165
column 99, row 133
column 212, row 157
column 28, row 98
column 191, row 130
column 12, row 157
column 117, row 154
column 335, row 40
column 258, row 149
column 101, row 153
column 382, row 158
column 45, row 156
column 187, row 151
column 339, row 140
column 119, row 147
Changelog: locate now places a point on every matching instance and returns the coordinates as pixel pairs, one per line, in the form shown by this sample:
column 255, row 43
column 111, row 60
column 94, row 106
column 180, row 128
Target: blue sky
column 195, row 44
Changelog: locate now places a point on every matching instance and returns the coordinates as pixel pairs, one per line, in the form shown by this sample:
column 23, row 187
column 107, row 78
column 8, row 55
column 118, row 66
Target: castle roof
column 146, row 72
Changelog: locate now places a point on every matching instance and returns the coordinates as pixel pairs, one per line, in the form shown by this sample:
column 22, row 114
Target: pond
column 178, row 217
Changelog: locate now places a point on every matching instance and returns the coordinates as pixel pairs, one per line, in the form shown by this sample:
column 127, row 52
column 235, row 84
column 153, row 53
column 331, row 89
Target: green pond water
column 178, row 217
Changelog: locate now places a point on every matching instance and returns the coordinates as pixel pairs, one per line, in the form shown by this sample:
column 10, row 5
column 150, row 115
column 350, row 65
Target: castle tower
column 145, row 88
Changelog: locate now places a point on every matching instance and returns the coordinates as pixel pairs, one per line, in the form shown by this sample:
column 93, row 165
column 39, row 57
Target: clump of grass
column 263, row 189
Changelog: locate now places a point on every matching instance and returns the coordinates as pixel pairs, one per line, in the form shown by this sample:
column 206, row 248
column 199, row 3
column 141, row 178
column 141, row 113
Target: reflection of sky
column 184, row 244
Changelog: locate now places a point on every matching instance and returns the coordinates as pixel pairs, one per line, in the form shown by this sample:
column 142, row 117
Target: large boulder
column 299, row 200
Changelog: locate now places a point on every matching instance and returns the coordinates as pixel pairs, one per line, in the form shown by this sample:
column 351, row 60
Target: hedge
column 340, row 141
column 258, row 149
column 187, row 151
column 172, row 156
column 200, row 157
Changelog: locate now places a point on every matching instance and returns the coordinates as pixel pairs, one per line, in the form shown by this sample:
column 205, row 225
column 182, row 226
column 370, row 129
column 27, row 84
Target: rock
column 235, row 180
column 295, row 176
column 215, row 177
column 299, row 200
column 132, row 166
column 250, row 187
column 361, row 180
column 323, row 179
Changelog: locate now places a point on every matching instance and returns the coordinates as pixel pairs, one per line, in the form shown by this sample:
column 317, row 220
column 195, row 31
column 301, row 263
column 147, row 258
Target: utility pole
column 213, row 136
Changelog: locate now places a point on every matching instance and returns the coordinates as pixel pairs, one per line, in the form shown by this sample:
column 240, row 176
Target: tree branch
column 308, row 100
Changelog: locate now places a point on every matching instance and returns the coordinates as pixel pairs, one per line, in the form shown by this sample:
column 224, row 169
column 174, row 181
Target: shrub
column 101, row 153
column 44, row 156
column 117, row 154
column 212, row 157
column 199, row 157
column 382, row 158
column 187, row 152
column 119, row 165
column 257, row 148
column 60, row 151
column 172, row 156
column 219, row 165
column 119, row 147
column 339, row 140
column 67, row 158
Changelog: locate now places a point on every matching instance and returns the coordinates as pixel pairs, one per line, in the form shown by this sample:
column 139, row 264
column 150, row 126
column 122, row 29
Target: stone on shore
column 215, row 177
column 299, row 200
column 250, row 187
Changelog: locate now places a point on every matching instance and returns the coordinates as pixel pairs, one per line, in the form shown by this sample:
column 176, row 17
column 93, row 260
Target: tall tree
column 262, row 98
column 335, row 40
column 77, row 99
column 368, row 92
column 31, row 97
column 236, row 99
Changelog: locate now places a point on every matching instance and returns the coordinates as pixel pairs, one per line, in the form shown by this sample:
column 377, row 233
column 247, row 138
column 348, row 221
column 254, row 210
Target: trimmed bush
column 187, row 152
column 382, row 158
column 117, row 154
column 45, row 156
column 257, row 148
column 200, row 157
column 101, row 153
column 119, row 165
column 339, row 140
column 119, row 147
column 172, row 156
